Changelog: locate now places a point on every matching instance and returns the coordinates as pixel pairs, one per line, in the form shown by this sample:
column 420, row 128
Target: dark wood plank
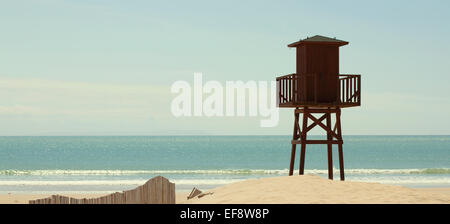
column 340, row 151
column 316, row 142
column 329, row 147
column 291, row 165
column 359, row 89
column 303, row 142
column 347, row 89
column 315, row 111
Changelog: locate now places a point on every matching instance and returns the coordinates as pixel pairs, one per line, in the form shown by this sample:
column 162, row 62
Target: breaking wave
column 222, row 171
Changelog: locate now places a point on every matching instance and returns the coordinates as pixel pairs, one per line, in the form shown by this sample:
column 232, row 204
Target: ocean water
column 114, row 163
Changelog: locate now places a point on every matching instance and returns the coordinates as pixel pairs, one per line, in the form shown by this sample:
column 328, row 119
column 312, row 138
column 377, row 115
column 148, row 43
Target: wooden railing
column 285, row 88
column 293, row 91
column 349, row 91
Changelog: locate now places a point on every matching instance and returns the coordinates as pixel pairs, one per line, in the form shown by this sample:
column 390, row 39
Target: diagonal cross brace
column 319, row 122
column 315, row 123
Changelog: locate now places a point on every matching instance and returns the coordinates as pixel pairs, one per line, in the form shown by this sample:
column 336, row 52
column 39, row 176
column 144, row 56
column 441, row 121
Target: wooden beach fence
column 157, row 190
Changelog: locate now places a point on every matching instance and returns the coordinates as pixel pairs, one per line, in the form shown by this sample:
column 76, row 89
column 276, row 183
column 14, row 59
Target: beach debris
column 157, row 190
column 204, row 194
column 195, row 192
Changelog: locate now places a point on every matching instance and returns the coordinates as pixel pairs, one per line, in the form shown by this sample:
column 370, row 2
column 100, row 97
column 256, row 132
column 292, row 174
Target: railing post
column 285, row 90
column 359, row 89
column 350, row 79
column 279, row 92
column 290, row 88
column 338, row 90
column 354, row 89
column 347, row 90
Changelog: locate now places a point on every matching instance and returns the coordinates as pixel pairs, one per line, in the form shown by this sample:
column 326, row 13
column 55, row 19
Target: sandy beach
column 306, row 189
column 311, row 189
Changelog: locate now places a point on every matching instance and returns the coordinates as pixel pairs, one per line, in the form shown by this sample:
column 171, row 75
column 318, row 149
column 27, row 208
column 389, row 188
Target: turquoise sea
column 101, row 164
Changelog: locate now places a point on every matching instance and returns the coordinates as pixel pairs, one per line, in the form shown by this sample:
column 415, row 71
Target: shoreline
column 281, row 190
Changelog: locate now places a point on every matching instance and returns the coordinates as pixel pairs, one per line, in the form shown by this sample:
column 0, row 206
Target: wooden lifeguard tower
column 318, row 88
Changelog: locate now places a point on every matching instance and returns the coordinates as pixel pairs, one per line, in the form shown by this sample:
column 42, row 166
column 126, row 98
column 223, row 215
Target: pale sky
column 96, row 67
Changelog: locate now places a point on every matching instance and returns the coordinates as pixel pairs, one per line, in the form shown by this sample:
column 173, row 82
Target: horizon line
column 218, row 135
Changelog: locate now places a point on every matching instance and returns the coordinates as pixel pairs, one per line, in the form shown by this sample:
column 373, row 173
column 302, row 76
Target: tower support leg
column 329, row 147
column 303, row 141
column 339, row 134
column 334, row 136
column 295, row 137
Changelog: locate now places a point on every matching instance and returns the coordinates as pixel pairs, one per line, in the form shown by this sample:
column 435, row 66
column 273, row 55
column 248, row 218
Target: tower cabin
column 318, row 88
column 317, row 82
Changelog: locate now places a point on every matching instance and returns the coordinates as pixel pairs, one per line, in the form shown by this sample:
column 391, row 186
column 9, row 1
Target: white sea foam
column 220, row 171
column 112, row 182
column 196, row 182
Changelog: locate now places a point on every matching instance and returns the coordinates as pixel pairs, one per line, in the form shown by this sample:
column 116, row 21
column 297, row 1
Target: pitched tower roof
column 319, row 40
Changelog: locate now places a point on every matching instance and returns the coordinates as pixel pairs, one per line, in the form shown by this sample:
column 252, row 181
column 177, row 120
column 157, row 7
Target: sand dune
column 314, row 189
